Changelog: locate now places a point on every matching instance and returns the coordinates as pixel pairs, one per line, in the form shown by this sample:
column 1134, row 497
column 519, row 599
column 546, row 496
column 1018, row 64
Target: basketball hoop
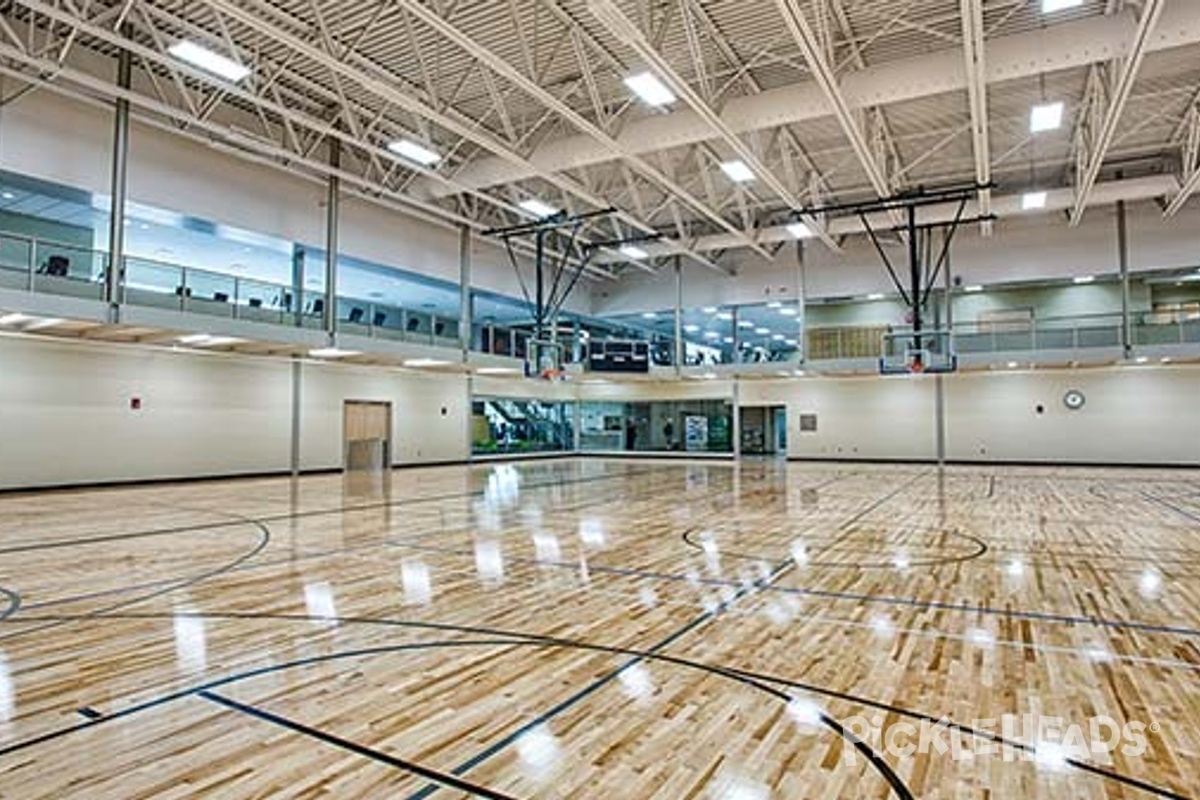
column 917, row 365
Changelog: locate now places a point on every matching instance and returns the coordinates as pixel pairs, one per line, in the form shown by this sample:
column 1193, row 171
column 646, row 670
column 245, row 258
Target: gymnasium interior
column 655, row 399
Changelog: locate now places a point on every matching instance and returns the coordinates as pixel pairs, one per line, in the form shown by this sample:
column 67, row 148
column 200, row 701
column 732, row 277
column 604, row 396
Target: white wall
column 59, row 140
column 1027, row 248
column 1133, row 415
column 66, row 414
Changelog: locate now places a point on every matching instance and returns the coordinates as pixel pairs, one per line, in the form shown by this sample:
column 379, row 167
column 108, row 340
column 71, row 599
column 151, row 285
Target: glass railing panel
column 1157, row 333
column 1191, row 331
column 209, row 293
column 262, row 302
column 68, row 270
column 1100, row 335
column 16, row 255
column 150, row 283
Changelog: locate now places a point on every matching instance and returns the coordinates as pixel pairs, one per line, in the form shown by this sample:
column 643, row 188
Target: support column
column 949, row 288
column 295, row 306
column 679, row 348
column 1123, row 258
column 802, row 304
column 297, row 382
column 736, row 433
column 333, row 210
column 940, row 421
column 119, row 190
column 466, row 317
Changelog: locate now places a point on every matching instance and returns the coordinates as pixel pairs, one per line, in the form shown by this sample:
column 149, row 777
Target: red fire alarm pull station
column 135, row 404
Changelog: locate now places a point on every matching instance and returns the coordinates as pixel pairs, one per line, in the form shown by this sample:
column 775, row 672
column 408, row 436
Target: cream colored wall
column 59, row 140
column 65, row 414
column 1133, row 415
column 421, row 432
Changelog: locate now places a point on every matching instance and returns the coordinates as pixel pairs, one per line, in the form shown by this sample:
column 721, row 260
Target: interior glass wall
column 504, row 425
column 687, row 426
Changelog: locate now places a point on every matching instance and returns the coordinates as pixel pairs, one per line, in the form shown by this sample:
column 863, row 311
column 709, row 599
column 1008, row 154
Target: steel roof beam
column 1057, row 47
column 1131, row 63
column 528, row 85
column 974, row 53
column 620, row 26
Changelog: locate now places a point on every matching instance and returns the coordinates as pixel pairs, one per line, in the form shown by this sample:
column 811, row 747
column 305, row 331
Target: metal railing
column 35, row 265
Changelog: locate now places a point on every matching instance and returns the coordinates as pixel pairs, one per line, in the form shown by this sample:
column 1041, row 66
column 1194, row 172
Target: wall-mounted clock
column 1074, row 400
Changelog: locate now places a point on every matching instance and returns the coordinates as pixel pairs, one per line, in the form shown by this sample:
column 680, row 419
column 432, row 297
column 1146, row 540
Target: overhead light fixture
column 1045, row 117
column 745, row 323
column 972, row 289
column 1081, row 280
column 726, row 316
column 426, row 362
column 215, row 63
column 711, row 310
column 634, row 252
column 332, row 352
column 649, row 315
column 1013, row 365
column 799, row 230
column 1142, row 359
column 1033, row 200
column 737, row 171
column 538, row 208
column 728, row 340
column 406, row 148
column 498, row 371
column 8, row 196
column 1050, row 6
column 15, row 319
column 207, row 340
column 44, row 322
column 790, row 312
column 647, row 86
column 799, row 373
column 712, row 335
column 779, row 337
column 763, row 331
column 691, row 328
column 775, row 304
column 876, row 296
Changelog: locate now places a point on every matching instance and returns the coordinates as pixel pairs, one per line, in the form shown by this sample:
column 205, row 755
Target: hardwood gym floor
column 603, row 629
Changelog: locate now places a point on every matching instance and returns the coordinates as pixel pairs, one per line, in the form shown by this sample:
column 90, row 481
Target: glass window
column 504, row 425
column 689, row 426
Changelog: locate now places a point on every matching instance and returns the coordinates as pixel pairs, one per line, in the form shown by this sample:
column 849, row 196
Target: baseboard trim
column 961, row 462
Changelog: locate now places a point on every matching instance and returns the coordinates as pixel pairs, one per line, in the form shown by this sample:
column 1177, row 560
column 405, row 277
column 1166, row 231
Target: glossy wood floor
column 602, row 629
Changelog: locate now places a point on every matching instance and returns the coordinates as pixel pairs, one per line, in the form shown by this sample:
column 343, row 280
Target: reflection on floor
column 607, row 629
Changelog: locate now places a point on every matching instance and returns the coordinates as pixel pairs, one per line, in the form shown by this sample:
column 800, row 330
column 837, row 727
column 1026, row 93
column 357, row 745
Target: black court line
column 290, row 559
column 777, row 572
column 756, row 680
column 443, row 779
column 181, row 583
column 12, row 603
column 349, row 509
column 516, row 640
column 980, row 550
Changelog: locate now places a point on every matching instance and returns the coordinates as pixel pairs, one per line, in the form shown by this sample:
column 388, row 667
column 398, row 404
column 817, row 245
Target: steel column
column 119, row 190
column 466, row 316
column 333, row 209
column 679, row 348
column 1123, row 259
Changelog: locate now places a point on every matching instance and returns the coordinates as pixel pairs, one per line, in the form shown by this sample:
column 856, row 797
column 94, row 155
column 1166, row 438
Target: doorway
column 764, row 430
column 367, row 436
